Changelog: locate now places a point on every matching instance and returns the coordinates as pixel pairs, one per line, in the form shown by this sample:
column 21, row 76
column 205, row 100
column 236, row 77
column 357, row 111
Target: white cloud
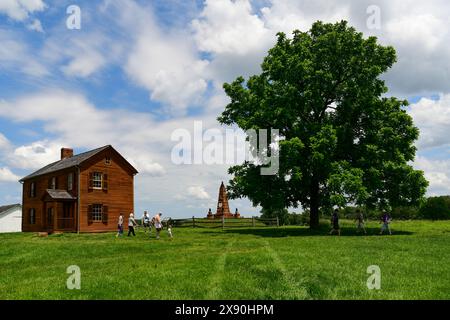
column 228, row 26
column 15, row 55
column 80, row 55
column 163, row 61
column 6, row 175
column 168, row 68
column 239, row 35
column 36, row 25
column 145, row 165
column 75, row 121
column 4, row 142
column 198, row 192
column 437, row 172
column 433, row 119
column 34, row 156
column 21, row 9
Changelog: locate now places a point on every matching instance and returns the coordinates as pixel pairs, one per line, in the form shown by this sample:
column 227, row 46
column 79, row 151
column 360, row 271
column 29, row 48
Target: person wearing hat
column 158, row 224
column 131, row 224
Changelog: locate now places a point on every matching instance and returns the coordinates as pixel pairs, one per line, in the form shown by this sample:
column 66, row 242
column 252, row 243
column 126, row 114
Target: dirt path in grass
column 216, row 279
column 294, row 289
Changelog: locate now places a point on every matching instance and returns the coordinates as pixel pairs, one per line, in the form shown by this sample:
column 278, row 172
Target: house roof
column 68, row 163
column 60, row 194
column 4, row 209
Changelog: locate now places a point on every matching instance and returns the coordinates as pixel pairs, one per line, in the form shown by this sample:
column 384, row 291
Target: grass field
column 260, row 263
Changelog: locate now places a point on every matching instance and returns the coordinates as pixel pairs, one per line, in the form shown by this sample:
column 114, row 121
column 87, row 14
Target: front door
column 67, row 218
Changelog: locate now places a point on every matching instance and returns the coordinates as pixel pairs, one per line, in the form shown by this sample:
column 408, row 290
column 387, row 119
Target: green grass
column 259, row 263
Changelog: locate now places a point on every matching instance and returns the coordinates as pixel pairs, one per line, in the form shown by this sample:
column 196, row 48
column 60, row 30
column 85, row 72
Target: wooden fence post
column 278, row 222
column 193, row 221
column 253, row 222
column 223, row 222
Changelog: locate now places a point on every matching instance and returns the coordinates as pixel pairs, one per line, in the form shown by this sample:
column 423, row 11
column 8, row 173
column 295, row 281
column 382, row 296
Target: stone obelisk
column 223, row 208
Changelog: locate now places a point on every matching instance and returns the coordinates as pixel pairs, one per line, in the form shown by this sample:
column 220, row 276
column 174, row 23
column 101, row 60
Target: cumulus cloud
column 198, row 192
column 238, row 35
column 169, row 69
column 229, row 27
column 34, row 156
column 433, row 119
column 21, row 9
column 163, row 61
column 437, row 172
column 6, row 175
column 75, row 121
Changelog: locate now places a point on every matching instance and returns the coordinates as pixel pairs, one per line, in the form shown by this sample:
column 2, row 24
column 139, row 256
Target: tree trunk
column 314, row 207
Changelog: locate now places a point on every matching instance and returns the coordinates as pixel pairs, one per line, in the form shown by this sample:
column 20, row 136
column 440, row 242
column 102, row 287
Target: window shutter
column 56, row 183
column 89, row 214
column 91, row 180
column 49, row 183
column 105, row 215
column 105, row 182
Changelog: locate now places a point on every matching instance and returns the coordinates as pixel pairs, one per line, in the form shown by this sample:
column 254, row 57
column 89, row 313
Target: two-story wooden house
column 79, row 193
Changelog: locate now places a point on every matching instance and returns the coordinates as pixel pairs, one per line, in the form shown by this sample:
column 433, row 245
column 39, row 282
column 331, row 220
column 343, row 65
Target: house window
column 108, row 160
column 32, row 189
column 70, row 182
column 32, row 216
column 97, row 211
column 97, row 179
column 53, row 183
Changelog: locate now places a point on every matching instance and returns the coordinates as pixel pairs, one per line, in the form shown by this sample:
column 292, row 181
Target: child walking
column 158, row 224
column 120, row 226
column 169, row 228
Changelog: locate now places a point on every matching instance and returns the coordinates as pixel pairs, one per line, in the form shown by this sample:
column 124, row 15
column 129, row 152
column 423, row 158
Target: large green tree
column 343, row 141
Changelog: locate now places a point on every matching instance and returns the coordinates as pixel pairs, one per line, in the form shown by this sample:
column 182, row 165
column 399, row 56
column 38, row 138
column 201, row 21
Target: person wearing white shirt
column 158, row 224
column 131, row 224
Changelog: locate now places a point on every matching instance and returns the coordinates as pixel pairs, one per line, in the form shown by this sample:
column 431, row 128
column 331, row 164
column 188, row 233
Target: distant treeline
column 433, row 208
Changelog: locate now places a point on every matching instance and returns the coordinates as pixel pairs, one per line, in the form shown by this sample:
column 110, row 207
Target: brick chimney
column 66, row 153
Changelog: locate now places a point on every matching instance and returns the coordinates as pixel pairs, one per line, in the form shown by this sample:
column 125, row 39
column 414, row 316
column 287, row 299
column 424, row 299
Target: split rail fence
column 253, row 222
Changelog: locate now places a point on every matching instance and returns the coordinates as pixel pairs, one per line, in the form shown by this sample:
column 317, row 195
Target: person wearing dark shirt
column 385, row 220
column 335, row 223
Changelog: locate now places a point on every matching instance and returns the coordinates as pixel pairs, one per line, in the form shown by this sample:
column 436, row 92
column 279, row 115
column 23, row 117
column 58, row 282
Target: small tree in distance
column 342, row 140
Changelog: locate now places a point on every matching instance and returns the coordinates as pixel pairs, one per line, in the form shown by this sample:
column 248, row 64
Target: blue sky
column 138, row 70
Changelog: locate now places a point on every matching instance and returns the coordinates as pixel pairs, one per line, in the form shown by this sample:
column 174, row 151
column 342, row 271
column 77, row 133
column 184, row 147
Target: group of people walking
column 360, row 222
column 146, row 223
